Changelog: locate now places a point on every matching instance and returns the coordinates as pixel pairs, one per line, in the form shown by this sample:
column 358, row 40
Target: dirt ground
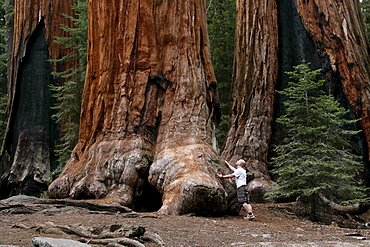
column 274, row 225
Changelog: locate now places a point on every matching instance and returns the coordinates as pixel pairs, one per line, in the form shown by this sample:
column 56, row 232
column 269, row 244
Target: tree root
column 186, row 176
column 86, row 204
column 114, row 245
column 153, row 237
column 30, row 205
column 116, row 242
column 113, row 239
column 353, row 209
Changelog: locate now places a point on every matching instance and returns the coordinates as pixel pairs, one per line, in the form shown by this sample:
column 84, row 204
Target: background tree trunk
column 328, row 34
column 31, row 133
column 255, row 75
column 148, row 109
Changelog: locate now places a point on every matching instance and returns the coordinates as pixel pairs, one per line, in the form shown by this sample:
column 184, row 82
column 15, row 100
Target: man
column 240, row 176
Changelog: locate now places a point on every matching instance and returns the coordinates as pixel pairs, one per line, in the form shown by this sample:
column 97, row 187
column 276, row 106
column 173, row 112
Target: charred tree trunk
column 338, row 30
column 255, row 75
column 331, row 36
column 31, row 133
column 149, row 106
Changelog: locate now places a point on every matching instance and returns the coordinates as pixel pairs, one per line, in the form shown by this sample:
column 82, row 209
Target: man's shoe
column 249, row 217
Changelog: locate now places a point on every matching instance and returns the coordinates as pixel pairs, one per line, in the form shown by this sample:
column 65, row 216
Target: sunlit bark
column 148, row 109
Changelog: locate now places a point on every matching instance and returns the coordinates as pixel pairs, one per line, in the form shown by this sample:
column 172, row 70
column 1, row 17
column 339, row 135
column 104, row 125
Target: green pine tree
column 365, row 9
column 5, row 13
column 315, row 157
column 221, row 28
column 68, row 93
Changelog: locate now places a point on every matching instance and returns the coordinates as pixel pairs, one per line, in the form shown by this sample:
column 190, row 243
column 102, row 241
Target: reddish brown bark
column 185, row 162
column 338, row 30
column 255, row 75
column 148, row 109
column 115, row 142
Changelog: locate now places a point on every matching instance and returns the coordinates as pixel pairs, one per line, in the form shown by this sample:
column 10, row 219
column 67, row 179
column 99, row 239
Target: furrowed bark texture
column 149, row 103
column 255, row 75
column 115, row 145
column 338, row 31
column 185, row 163
column 31, row 133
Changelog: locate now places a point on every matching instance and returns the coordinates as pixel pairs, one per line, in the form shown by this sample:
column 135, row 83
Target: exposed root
column 129, row 235
column 153, row 237
column 115, row 242
column 353, row 209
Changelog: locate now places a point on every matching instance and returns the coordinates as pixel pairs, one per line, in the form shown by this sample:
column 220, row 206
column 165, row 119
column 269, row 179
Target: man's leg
column 248, row 208
column 250, row 215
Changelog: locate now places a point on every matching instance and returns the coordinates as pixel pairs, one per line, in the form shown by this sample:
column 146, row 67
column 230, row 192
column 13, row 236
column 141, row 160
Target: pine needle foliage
column 221, row 28
column 316, row 154
column 6, row 12
column 68, row 93
column 365, row 9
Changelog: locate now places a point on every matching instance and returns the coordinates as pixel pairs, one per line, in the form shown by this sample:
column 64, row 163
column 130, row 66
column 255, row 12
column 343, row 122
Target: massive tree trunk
column 148, row 111
column 31, row 133
column 330, row 35
column 255, row 75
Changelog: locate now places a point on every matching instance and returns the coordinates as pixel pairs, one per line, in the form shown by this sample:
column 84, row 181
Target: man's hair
column 241, row 162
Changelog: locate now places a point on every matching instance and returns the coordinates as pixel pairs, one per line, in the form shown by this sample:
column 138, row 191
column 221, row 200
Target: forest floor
column 274, row 225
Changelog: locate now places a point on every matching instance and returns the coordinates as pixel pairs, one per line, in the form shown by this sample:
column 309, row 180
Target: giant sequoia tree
column 329, row 34
column 149, row 106
column 30, row 133
column 150, row 100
